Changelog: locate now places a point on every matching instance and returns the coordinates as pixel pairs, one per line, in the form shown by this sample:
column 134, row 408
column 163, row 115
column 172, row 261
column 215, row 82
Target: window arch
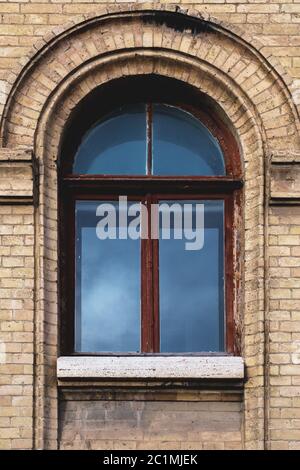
column 169, row 287
column 149, row 139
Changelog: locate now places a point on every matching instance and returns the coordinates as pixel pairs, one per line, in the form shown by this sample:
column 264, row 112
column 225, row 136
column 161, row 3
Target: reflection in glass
column 107, row 287
column 191, row 286
column 116, row 145
column 182, row 145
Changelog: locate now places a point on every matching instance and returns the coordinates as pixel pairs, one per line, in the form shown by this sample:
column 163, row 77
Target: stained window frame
column 146, row 187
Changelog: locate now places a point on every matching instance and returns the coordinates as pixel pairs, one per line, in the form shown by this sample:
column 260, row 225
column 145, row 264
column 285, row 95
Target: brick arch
column 141, row 26
column 183, row 45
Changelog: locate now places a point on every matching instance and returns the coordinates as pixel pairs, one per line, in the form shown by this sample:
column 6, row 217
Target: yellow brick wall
column 16, row 326
column 276, row 24
column 284, row 251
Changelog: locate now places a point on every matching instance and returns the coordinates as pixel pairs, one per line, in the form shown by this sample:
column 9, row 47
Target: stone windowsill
column 150, row 367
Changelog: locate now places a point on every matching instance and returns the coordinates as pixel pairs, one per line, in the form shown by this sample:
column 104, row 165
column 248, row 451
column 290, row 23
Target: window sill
column 150, row 368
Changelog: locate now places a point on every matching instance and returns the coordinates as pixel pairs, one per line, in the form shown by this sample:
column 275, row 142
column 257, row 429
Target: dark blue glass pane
column 107, row 285
column 183, row 146
column 191, row 282
column 116, row 145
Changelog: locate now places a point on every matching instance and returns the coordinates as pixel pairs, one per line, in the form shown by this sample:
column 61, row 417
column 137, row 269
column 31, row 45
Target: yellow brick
column 39, row 8
column 9, row 7
column 15, row 30
column 5, row 444
column 9, row 433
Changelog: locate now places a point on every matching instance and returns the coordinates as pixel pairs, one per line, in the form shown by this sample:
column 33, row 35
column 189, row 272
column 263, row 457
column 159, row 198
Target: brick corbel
column 285, row 179
column 17, row 176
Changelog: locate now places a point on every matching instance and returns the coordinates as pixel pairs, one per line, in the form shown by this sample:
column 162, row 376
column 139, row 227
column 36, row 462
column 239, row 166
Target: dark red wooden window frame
column 146, row 188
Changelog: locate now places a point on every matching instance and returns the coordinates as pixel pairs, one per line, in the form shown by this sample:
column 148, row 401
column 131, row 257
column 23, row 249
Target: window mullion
column 149, row 119
column 147, row 284
column 155, row 280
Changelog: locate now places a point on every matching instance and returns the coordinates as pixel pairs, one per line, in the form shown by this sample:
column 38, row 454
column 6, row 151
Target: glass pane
column 116, row 145
column 183, row 146
column 191, row 277
column 107, row 283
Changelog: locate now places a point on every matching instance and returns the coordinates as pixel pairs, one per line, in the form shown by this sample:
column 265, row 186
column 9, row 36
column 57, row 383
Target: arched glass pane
column 183, row 146
column 116, row 145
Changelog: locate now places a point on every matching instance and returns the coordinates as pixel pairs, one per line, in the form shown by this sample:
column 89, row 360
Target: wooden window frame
column 145, row 188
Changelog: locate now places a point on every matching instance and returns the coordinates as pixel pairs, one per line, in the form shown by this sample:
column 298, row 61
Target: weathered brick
column 273, row 23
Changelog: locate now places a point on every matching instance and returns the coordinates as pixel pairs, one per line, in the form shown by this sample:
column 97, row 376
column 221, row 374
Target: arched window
column 149, row 195
column 149, row 139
